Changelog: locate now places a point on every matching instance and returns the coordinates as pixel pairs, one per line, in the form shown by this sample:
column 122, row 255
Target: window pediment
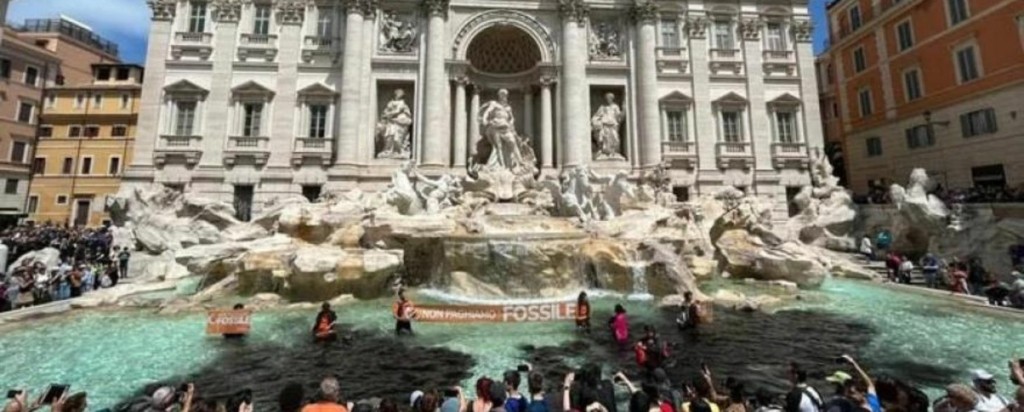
column 785, row 101
column 675, row 99
column 731, row 100
column 252, row 90
column 317, row 92
column 185, row 89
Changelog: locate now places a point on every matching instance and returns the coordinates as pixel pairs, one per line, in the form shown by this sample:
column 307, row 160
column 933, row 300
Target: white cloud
column 113, row 19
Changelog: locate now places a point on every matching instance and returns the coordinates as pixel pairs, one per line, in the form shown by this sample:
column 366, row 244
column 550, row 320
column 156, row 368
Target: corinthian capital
column 227, row 11
column 162, row 9
column 750, row 28
column 802, row 29
column 291, row 11
column 369, row 8
column 436, row 7
column 645, row 11
column 574, row 10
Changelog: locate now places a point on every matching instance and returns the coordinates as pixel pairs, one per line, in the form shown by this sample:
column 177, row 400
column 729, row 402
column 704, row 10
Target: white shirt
column 806, row 403
column 906, row 266
column 991, row 403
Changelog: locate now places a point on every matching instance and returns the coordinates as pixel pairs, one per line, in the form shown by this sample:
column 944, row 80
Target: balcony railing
column 788, row 149
column 247, row 143
column 257, row 40
column 671, row 53
column 178, row 141
column 193, row 37
column 777, row 55
column 792, row 154
column 317, row 42
column 675, row 148
column 312, row 144
column 733, row 148
column 734, row 154
column 725, row 54
column 178, row 146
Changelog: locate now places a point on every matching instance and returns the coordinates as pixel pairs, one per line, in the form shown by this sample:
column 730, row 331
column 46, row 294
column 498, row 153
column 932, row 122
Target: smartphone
column 523, row 368
column 11, row 394
column 54, row 392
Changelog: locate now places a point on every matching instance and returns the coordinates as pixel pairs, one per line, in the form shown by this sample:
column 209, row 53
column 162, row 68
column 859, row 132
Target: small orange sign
column 536, row 312
column 228, row 321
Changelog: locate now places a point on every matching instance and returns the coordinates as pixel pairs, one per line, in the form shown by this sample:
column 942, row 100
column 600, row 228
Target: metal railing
column 252, row 39
column 69, row 29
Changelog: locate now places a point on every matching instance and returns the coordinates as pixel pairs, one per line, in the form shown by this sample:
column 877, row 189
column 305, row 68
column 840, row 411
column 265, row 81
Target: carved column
column 474, row 120
column 547, row 144
column 813, row 136
column 152, row 87
column 346, row 150
column 282, row 141
column 575, row 134
column 217, row 128
column 646, row 13
column 460, row 121
column 528, row 127
column 435, row 141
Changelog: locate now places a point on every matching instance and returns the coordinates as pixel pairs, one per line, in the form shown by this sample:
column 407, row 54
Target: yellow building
column 86, row 137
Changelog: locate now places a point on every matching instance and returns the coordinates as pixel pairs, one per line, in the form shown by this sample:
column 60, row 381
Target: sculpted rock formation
column 827, row 212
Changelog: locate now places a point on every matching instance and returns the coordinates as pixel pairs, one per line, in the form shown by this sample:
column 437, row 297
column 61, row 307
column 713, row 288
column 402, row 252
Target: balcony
column 726, row 61
column 192, row 45
column 314, row 46
column 316, row 148
column 682, row 154
column 779, row 63
column 734, row 155
column 254, row 147
column 790, row 154
column 257, row 47
column 184, row 147
column 672, row 59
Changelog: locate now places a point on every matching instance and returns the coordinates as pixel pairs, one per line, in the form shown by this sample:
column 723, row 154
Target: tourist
column 959, row 398
column 88, row 282
column 976, row 275
column 404, row 312
column 73, row 403
column 328, row 397
column 703, row 394
column 238, row 306
column 497, row 395
column 122, row 261
column 619, row 325
column 482, row 403
column 75, row 280
column 583, row 313
column 538, row 399
column 292, row 398
column 163, row 399
column 650, row 353
column 892, row 266
column 323, row 326
column 665, row 390
column 26, row 290
column 930, row 270
column 838, row 402
column 386, row 405
column 959, row 275
column 865, row 248
column 985, row 389
column 645, row 399
column 862, row 394
column 1016, row 297
column 514, row 401
column 766, row 402
column 689, row 312
column 19, row 403
column 802, row 397
column 906, row 270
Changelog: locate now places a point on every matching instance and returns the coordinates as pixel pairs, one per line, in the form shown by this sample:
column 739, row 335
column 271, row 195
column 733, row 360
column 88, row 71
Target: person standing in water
column 323, row 327
column 619, row 324
column 404, row 312
column 583, row 313
column 689, row 312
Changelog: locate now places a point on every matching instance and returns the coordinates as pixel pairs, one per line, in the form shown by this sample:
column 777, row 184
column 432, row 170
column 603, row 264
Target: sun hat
column 839, row 377
column 981, row 375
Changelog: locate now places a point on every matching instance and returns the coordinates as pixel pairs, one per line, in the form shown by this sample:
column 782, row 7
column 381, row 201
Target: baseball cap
column 416, row 395
column 839, row 377
column 163, row 397
column 981, row 375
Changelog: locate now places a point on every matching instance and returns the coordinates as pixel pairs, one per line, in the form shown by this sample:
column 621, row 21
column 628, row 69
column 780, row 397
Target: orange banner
column 227, row 321
column 537, row 312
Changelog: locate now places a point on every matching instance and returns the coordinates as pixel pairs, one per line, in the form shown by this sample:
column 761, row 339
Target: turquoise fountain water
column 111, row 354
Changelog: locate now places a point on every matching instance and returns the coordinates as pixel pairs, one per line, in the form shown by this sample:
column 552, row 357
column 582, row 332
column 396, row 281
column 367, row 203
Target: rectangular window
column 197, row 17
column 775, row 37
column 39, row 165
column 67, row 166
column 74, row 131
column 957, row 11
column 5, row 69
column 978, row 122
column 123, row 73
column 33, row 203
column 966, row 64
column 669, row 33
column 18, row 150
column 318, row 121
column 114, row 167
column 252, row 120
column 919, row 136
column 324, row 23
column 25, row 112
column 97, row 101
column 676, row 123
column 51, row 101
column 874, row 146
column 731, row 127
column 723, row 35
column 31, row 75
column 92, row 131
column 119, row 131
column 11, row 187
column 865, row 102
column 103, row 73
column 45, row 131
column 855, row 18
column 904, row 36
column 185, row 119
column 62, row 199
column 79, row 101
column 860, row 62
column 785, row 123
column 86, row 165
column 912, row 81
column 261, row 20
column 125, row 100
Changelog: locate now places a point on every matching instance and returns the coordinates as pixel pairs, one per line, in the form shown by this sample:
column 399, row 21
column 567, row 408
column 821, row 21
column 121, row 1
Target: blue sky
column 126, row 22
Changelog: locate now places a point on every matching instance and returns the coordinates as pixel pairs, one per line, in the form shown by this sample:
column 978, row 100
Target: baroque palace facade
column 246, row 100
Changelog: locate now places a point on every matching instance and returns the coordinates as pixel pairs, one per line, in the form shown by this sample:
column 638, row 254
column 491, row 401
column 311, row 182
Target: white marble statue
column 393, row 128
column 402, row 193
column 604, row 42
column 396, row 35
column 439, row 194
column 412, row 193
column 605, row 126
column 497, row 124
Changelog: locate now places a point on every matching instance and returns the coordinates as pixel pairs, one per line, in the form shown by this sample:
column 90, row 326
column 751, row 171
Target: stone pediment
column 675, row 98
column 785, row 99
column 185, row 87
column 251, row 88
column 731, row 99
column 317, row 90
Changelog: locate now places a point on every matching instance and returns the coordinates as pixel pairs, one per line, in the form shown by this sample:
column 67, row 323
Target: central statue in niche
column 498, row 125
column 605, row 126
column 504, row 165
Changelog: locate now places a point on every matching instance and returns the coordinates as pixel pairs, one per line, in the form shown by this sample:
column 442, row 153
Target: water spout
column 638, row 273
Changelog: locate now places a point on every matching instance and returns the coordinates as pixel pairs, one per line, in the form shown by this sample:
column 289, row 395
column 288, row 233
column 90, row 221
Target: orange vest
column 583, row 311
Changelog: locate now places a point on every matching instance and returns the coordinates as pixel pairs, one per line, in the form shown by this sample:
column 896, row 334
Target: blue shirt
column 876, row 405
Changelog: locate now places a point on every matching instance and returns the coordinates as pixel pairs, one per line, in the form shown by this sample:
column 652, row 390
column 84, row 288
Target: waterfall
column 638, row 273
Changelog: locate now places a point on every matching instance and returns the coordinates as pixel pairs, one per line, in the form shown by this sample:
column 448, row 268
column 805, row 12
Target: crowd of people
column 86, row 262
